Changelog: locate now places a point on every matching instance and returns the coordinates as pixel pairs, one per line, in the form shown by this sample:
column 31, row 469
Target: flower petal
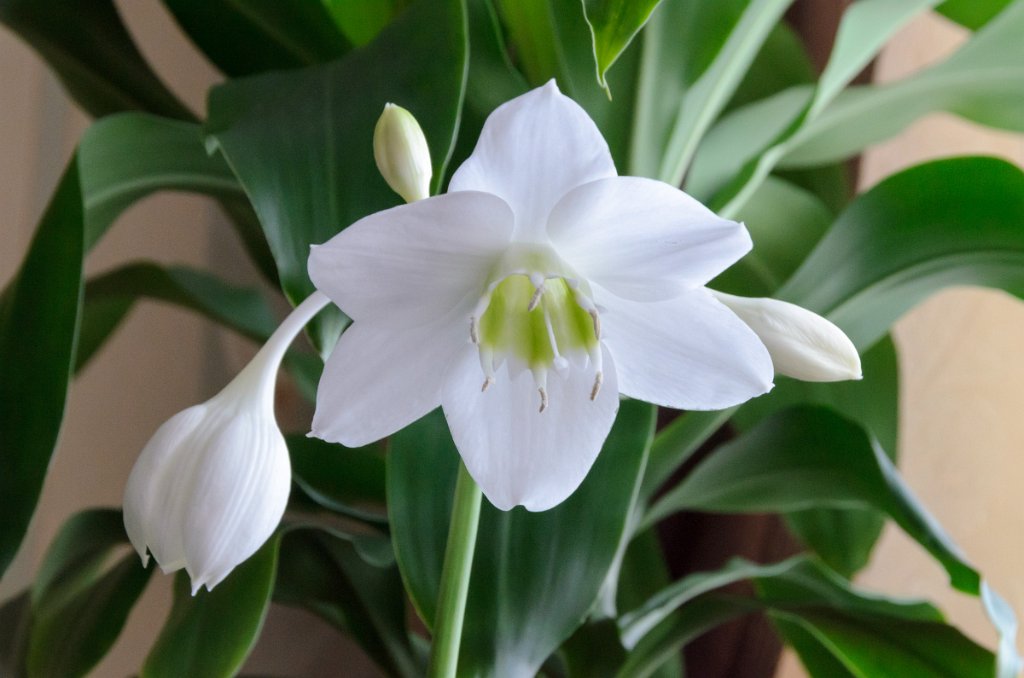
column 407, row 265
column 532, row 151
column 240, row 486
column 643, row 239
column 689, row 353
column 519, row 455
column 379, row 379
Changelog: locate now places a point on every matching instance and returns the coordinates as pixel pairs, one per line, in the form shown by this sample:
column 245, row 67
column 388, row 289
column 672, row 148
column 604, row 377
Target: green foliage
column 613, row 24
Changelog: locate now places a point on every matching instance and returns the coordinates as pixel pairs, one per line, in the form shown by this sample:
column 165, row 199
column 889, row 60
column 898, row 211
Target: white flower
column 212, row 484
column 802, row 344
column 401, row 152
column 526, row 299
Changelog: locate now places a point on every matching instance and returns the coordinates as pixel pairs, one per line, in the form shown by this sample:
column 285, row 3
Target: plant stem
column 458, row 562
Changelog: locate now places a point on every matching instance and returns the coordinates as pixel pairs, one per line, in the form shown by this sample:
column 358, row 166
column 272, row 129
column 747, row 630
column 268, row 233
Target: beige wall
column 962, row 370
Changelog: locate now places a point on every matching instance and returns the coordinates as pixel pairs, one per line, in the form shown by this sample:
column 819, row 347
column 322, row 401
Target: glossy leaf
column 39, row 316
column 972, row 14
column 535, row 575
column 242, row 37
column 362, row 20
column 613, row 25
column 92, row 53
column 809, row 457
column 235, row 609
column 349, row 481
column 302, row 144
column 80, row 602
column 887, row 251
column 340, row 578
column 109, row 297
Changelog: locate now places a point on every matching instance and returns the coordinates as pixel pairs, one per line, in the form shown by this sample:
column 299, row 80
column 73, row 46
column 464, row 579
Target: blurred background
column 962, row 434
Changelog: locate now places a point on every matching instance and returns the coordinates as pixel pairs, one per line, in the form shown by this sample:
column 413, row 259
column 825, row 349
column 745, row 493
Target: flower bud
column 802, row 344
column 402, row 155
column 212, row 484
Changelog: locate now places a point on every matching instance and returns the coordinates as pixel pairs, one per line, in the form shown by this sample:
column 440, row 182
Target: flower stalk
column 458, row 563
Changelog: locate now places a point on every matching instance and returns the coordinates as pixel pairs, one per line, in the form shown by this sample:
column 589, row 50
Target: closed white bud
column 802, row 344
column 211, row 485
column 402, row 155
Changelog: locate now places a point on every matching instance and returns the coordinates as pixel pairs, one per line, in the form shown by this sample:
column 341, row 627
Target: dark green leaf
column 328, row 574
column 242, row 37
column 810, row 457
column 301, row 142
column 362, row 20
column 613, row 24
column 39, row 315
column 109, row 297
column 949, row 222
column 972, row 14
column 93, row 54
column 535, row 575
column 15, row 621
column 349, row 481
column 79, row 602
column 209, row 635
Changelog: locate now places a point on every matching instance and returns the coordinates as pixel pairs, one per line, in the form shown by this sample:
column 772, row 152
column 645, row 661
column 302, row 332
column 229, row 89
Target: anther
column 598, row 380
column 474, row 334
column 543, row 399
column 487, row 384
column 535, row 299
column 596, row 317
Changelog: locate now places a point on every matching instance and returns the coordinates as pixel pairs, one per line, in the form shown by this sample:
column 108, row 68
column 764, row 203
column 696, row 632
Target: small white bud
column 802, row 344
column 211, row 485
column 402, row 155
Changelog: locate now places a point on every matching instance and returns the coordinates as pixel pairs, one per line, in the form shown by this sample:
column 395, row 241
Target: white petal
column 239, row 492
column 689, row 353
column 407, row 265
column 379, row 379
column 803, row 345
column 519, row 455
column 532, row 151
column 643, row 239
column 149, row 513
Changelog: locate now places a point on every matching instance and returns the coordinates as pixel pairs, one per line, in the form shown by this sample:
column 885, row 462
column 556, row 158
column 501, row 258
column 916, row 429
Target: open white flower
column 212, row 483
column 526, row 299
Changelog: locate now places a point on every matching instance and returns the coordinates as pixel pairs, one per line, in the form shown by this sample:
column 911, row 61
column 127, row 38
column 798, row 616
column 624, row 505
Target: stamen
column 596, row 317
column 535, row 299
column 598, row 380
column 540, row 377
column 474, row 330
column 543, row 399
column 487, row 384
column 584, row 302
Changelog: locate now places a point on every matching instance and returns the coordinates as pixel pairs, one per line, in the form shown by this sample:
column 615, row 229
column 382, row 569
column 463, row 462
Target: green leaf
column 79, row 603
column 92, row 53
column 613, row 24
column 301, row 142
column 810, row 457
column 242, row 37
column 972, row 14
column 329, row 574
column 535, row 575
column 15, row 621
column 949, row 222
column 210, row 634
column 348, row 481
column 362, row 20
column 39, row 315
column 109, row 297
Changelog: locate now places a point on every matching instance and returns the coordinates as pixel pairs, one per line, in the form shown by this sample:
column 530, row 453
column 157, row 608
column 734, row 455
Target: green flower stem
column 458, row 562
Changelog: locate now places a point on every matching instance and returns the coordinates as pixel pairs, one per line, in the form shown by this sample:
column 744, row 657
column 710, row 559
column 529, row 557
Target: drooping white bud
column 212, row 484
column 802, row 344
column 402, row 155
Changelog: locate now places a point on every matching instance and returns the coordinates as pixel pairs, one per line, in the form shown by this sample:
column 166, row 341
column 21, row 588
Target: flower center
column 538, row 322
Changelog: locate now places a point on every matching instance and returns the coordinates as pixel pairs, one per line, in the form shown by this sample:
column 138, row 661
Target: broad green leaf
column 810, row 457
column 92, row 53
column 972, row 14
column 242, row 37
column 109, row 297
column 782, row 63
column 535, row 575
column 362, row 20
column 982, row 82
column 710, row 93
column 39, row 316
column 348, row 481
column 949, row 222
column 613, row 24
column 817, row 660
column 124, row 158
column 329, row 574
column 79, row 601
column 15, row 621
column 301, row 142
column 209, row 635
